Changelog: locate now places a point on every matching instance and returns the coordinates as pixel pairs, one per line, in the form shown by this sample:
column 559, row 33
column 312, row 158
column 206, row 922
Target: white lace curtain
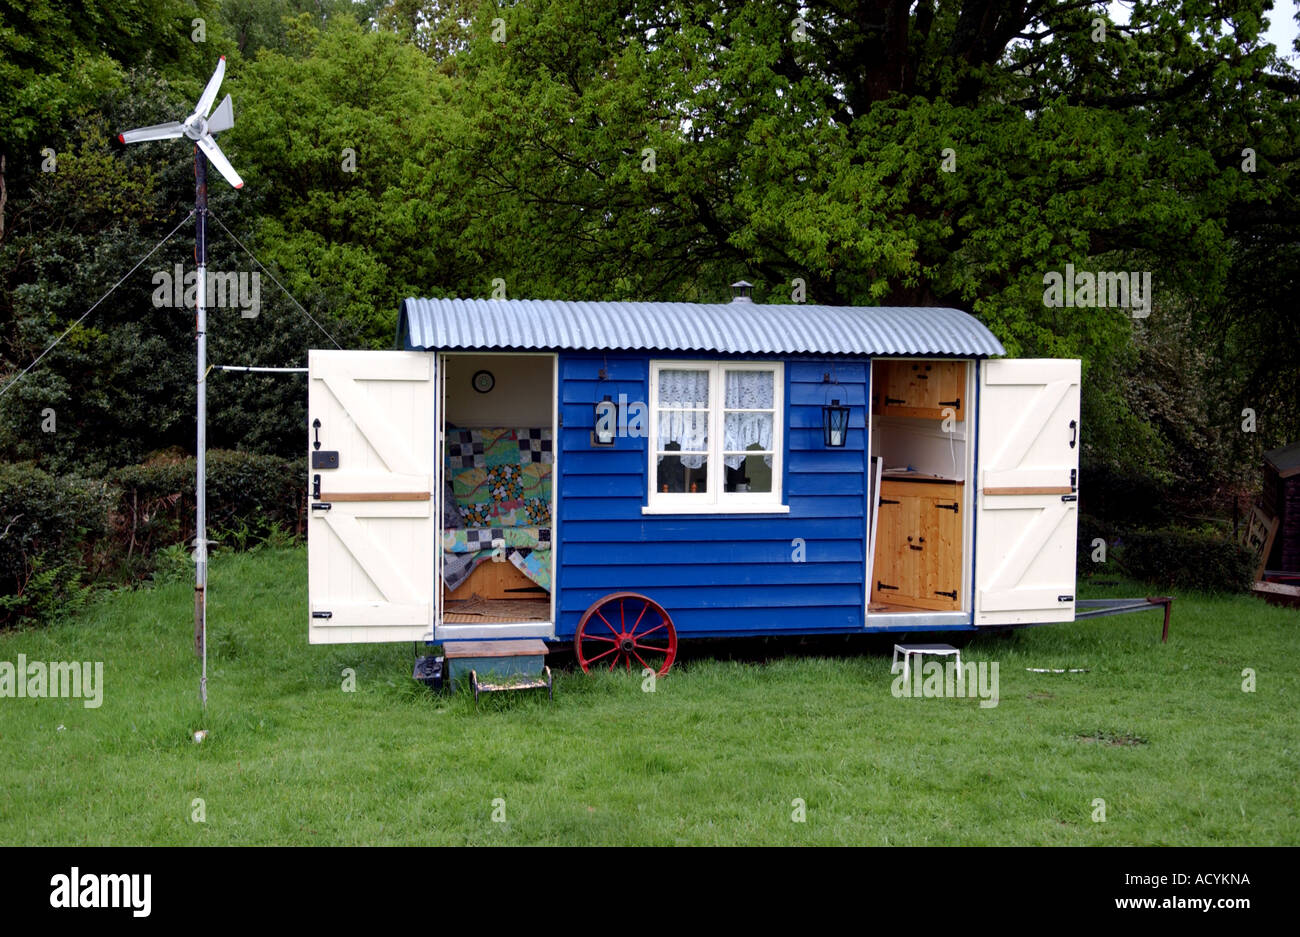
column 688, row 428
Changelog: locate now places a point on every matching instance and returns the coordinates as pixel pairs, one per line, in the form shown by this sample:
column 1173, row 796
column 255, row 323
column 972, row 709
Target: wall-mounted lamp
column 835, row 423
column 605, row 422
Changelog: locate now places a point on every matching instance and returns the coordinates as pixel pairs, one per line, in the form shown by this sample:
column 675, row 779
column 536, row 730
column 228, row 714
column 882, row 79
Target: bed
column 498, row 506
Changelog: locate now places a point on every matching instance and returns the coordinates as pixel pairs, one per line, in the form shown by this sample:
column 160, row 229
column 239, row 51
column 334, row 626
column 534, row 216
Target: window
column 715, row 437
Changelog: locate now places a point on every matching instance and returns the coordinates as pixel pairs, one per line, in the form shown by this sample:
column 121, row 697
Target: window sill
column 717, row 509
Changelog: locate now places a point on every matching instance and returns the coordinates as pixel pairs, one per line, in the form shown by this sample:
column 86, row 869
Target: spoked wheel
column 626, row 629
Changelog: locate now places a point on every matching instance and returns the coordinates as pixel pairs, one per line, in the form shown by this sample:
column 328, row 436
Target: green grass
column 1163, row 733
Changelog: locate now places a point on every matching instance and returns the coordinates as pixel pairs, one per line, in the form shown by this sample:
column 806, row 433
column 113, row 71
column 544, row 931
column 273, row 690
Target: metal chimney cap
column 742, row 291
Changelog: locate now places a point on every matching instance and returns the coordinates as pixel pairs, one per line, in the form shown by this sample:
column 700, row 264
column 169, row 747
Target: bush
column 1187, row 559
column 60, row 535
column 52, row 540
column 250, row 498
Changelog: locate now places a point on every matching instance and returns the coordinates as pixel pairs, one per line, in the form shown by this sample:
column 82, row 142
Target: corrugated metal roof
column 726, row 328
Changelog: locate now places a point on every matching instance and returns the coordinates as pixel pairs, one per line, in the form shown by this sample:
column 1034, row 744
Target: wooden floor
column 480, row 611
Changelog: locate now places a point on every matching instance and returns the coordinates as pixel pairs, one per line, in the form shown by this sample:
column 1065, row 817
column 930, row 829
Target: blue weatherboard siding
column 715, row 574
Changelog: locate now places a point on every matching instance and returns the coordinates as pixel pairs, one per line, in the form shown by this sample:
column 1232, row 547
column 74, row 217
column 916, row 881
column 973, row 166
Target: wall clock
column 483, row 381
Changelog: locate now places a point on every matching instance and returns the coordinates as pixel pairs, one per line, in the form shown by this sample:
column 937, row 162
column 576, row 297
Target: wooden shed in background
column 1281, row 499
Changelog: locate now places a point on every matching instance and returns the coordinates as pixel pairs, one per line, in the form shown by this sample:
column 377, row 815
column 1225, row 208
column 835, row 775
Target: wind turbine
column 199, row 127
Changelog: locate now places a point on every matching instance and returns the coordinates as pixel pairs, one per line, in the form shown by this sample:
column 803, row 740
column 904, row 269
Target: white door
column 371, row 532
column 1027, row 502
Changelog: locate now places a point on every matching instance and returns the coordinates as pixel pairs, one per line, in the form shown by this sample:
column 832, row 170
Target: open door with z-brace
column 372, row 528
column 1027, row 502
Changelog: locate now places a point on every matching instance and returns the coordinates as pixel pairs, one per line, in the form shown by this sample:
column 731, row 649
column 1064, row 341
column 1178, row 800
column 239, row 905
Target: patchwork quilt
column 501, row 484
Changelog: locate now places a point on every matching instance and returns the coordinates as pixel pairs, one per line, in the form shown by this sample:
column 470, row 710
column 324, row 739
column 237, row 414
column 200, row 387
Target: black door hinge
column 322, row 614
column 881, row 585
column 893, row 400
column 952, row 595
column 887, row 501
column 948, row 507
column 321, row 506
column 1065, row 598
column 951, row 403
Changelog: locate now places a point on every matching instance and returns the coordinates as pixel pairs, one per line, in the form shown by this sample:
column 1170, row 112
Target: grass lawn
column 716, row 755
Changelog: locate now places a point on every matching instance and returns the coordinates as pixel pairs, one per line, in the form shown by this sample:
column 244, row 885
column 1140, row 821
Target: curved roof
column 727, row 328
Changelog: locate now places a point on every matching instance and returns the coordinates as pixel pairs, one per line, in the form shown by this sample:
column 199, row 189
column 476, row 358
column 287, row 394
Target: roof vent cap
column 742, row 292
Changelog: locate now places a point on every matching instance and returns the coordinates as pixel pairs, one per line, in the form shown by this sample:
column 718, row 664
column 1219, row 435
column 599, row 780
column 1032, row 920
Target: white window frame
column 715, row 500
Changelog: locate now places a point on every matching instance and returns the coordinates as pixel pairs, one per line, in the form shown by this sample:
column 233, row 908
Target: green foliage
column 51, row 532
column 1183, row 558
column 61, row 535
column 249, row 498
column 172, row 564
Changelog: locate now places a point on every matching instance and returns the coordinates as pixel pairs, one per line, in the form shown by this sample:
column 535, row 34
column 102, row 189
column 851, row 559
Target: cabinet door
column 895, row 569
column 920, row 389
column 922, row 385
column 950, row 386
column 939, row 579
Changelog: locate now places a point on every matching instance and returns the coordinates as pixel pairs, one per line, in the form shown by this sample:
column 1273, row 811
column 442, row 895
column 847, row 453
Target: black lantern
column 605, row 424
column 835, row 423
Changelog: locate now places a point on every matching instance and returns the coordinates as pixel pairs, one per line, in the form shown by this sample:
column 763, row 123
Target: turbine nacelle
column 199, row 127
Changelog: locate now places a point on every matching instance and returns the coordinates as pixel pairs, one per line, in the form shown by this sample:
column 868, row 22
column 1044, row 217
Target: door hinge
column 948, row 507
column 1065, row 598
column 893, row 400
column 881, row 585
column 952, row 595
column 1069, row 497
column 321, row 506
column 887, row 501
column 951, row 403
column 322, row 614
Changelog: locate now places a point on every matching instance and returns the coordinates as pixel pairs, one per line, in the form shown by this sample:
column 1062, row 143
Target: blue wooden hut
column 618, row 472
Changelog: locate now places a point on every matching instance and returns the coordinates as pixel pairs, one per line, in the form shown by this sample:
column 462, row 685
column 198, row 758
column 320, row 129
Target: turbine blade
column 218, row 159
column 167, row 131
column 210, row 92
column 223, row 118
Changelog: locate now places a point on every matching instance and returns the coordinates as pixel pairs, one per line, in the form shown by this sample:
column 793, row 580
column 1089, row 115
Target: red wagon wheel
column 626, row 629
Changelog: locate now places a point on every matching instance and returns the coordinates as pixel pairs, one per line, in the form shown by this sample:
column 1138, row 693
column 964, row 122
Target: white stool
column 942, row 650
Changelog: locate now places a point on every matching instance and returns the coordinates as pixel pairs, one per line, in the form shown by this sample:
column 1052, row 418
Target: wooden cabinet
column 918, row 545
column 919, row 388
